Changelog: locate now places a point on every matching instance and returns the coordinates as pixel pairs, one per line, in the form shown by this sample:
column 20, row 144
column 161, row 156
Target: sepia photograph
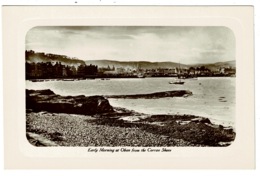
column 130, row 86
column 142, row 87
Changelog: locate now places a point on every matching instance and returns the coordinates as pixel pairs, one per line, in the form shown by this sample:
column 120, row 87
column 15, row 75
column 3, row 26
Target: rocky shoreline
column 176, row 93
column 47, row 100
column 54, row 120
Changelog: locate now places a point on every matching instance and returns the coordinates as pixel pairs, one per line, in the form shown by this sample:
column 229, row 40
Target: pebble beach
column 77, row 130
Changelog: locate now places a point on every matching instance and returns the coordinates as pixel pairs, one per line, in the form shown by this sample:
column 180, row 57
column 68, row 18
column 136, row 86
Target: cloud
column 177, row 44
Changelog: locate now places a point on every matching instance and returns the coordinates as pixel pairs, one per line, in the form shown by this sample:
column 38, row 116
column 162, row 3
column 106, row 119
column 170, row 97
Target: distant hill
column 134, row 64
column 217, row 65
column 32, row 56
column 153, row 65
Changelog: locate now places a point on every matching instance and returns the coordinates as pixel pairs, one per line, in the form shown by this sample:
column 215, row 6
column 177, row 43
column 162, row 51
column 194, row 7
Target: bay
column 213, row 98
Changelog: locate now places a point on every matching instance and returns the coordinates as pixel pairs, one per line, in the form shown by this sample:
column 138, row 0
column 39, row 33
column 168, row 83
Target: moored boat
column 176, row 82
column 179, row 78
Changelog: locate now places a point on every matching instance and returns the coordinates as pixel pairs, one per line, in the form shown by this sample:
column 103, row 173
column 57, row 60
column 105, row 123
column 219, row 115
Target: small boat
column 67, row 79
column 39, row 80
column 179, row 78
column 176, row 82
column 140, row 75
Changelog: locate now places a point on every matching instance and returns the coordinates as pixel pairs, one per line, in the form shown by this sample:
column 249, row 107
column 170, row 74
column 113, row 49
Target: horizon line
column 76, row 58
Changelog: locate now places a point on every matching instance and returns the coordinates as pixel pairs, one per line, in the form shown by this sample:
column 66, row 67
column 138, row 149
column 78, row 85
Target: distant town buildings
column 49, row 70
column 48, row 66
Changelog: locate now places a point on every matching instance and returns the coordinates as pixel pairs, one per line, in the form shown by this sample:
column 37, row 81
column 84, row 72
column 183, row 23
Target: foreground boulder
column 47, row 100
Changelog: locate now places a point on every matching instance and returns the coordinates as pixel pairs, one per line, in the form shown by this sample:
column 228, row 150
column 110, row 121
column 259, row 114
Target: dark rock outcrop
column 197, row 131
column 175, row 93
column 47, row 100
column 192, row 129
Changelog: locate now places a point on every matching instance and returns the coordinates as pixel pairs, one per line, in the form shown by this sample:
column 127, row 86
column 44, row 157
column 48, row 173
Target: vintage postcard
column 130, row 86
column 164, row 86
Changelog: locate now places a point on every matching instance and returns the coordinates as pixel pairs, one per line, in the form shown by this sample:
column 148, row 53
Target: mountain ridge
column 32, row 56
column 134, row 64
column 153, row 65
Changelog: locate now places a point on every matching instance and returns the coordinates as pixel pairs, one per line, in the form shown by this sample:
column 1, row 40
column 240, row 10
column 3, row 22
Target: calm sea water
column 212, row 97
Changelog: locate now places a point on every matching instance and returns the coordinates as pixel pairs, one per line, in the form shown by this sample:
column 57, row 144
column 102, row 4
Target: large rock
column 47, row 100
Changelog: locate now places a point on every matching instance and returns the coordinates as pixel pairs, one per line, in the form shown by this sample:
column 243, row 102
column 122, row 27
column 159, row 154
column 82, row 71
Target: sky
column 187, row 45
